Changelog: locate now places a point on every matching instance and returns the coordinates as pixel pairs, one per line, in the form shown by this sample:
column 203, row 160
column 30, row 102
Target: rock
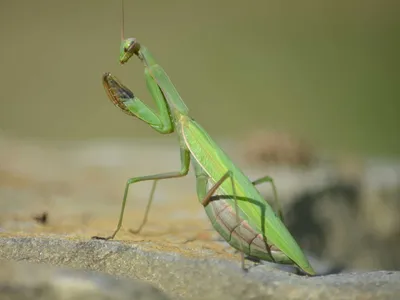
column 68, row 192
column 20, row 281
column 354, row 224
column 195, row 278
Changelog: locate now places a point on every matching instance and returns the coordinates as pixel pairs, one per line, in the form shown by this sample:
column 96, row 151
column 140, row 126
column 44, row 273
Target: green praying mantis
column 235, row 207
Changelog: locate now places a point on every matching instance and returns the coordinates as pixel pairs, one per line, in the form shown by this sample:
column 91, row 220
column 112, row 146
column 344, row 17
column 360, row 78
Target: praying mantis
column 235, row 207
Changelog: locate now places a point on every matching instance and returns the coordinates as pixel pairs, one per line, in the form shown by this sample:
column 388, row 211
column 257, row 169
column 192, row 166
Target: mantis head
column 128, row 47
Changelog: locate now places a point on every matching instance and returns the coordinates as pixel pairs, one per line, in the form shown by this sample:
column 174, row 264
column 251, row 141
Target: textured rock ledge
column 192, row 278
column 33, row 281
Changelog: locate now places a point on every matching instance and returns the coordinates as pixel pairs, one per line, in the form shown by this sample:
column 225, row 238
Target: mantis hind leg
column 185, row 162
column 277, row 204
column 205, row 196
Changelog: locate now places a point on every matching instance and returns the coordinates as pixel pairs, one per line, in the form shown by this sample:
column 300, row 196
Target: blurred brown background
column 326, row 71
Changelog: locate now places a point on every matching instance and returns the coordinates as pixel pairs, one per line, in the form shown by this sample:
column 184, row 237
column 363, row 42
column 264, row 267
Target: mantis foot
column 102, row 238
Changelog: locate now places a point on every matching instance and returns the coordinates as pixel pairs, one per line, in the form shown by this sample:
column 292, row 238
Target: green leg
column 185, row 162
column 124, row 98
column 274, row 190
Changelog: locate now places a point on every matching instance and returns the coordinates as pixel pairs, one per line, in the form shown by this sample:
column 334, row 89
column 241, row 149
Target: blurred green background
column 325, row 70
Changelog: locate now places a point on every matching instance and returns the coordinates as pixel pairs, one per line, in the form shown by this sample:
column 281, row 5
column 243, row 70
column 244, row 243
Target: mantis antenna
column 123, row 22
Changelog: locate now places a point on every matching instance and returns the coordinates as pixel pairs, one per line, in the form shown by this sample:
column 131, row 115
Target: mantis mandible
column 234, row 206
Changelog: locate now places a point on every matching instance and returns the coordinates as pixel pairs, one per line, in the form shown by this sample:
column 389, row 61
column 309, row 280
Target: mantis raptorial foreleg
column 124, row 98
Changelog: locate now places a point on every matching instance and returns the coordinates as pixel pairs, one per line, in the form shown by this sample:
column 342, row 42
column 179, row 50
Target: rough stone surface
column 20, row 281
column 55, row 196
column 198, row 278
